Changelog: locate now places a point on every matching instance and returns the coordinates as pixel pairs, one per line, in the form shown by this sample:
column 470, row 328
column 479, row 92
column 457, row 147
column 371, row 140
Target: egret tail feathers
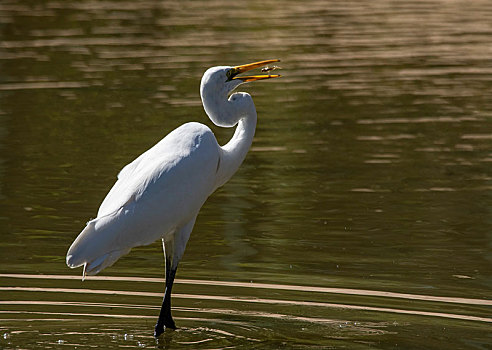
column 83, row 273
column 93, row 267
column 94, row 249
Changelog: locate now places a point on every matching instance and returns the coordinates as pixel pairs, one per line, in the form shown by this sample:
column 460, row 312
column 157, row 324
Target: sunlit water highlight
column 213, row 309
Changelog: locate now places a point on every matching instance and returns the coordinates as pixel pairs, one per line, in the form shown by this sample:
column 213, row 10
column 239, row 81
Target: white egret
column 159, row 194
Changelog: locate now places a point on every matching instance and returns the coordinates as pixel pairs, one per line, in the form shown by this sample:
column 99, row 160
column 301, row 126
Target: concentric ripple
column 231, row 313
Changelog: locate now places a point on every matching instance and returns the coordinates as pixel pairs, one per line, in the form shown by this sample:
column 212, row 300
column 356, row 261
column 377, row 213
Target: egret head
column 216, row 85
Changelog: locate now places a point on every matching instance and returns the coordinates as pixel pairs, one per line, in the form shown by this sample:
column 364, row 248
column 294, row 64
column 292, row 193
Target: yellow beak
column 246, row 67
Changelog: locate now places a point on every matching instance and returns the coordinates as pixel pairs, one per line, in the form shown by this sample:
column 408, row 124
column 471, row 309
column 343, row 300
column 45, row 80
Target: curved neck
column 234, row 152
column 227, row 112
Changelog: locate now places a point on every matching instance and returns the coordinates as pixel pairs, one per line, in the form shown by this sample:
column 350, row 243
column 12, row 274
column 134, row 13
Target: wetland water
column 360, row 219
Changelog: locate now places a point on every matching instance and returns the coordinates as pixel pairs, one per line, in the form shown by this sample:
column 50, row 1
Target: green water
column 370, row 173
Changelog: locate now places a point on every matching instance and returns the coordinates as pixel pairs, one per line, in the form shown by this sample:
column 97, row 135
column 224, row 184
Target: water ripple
column 227, row 299
column 346, row 291
column 43, row 85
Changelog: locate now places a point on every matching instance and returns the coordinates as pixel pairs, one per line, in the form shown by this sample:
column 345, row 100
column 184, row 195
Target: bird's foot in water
column 160, row 327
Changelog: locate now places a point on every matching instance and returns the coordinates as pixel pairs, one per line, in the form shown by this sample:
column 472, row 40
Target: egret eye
column 229, row 74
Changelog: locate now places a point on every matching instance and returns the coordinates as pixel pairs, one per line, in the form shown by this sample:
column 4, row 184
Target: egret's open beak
column 250, row 66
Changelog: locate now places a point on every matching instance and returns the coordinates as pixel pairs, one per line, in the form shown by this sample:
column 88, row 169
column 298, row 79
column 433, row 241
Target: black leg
column 165, row 318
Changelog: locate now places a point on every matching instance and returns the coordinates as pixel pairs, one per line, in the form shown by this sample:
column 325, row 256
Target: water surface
column 359, row 219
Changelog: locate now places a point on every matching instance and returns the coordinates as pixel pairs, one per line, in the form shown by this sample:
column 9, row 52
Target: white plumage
column 159, row 194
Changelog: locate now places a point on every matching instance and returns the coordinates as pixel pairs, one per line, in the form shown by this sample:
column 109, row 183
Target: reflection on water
column 345, row 291
column 239, row 322
column 360, row 218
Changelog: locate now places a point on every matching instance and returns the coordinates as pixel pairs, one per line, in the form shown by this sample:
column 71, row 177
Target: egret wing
column 152, row 197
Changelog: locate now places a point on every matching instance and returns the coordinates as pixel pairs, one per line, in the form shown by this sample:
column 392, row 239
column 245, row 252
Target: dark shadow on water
column 165, row 341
